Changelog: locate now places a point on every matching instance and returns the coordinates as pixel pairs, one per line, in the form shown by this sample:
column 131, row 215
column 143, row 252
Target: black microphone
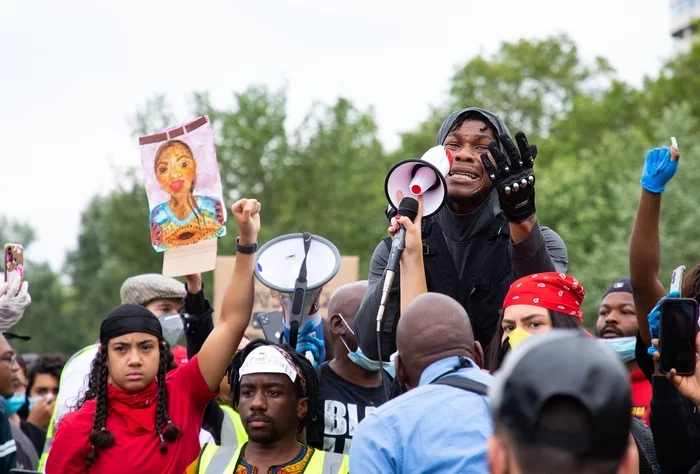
column 409, row 208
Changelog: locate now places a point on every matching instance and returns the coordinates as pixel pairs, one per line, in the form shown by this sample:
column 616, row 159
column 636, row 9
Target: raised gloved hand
column 653, row 319
column 660, row 166
column 514, row 179
column 13, row 301
column 308, row 342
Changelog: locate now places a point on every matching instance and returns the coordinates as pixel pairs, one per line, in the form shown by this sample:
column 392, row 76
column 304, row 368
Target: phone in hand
column 272, row 325
column 677, row 279
column 678, row 327
column 13, row 257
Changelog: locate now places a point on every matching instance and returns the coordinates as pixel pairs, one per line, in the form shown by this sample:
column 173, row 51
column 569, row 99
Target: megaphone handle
column 293, row 333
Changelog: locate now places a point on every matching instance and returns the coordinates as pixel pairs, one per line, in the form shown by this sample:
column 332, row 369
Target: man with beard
column 486, row 236
column 275, row 391
column 617, row 327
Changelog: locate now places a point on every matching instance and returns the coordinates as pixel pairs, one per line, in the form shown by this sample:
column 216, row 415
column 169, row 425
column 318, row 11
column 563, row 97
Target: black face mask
column 505, row 348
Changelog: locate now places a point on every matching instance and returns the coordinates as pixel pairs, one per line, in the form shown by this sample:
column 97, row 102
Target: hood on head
column 489, row 117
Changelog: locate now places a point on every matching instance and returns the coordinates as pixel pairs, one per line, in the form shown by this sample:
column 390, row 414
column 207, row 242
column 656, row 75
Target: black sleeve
column 213, row 419
column 35, row 434
column 314, row 433
column 366, row 319
column 674, row 423
column 197, row 320
column 643, row 359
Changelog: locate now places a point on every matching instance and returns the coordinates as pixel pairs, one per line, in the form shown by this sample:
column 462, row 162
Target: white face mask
column 173, row 330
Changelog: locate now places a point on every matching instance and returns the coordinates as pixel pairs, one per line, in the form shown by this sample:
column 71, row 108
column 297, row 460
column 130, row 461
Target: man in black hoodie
column 485, row 237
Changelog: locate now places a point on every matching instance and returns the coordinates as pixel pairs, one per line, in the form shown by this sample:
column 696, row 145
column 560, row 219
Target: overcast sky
column 73, row 72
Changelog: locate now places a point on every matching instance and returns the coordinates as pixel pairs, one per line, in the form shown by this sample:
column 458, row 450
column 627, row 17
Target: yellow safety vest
column 51, row 428
column 223, row 460
column 232, row 430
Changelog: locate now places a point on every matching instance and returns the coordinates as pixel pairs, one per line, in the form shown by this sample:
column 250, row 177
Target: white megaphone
column 297, row 266
column 424, row 177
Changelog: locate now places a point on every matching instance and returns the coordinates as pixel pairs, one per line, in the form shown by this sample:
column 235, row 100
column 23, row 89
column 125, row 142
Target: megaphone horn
column 424, row 177
column 297, row 266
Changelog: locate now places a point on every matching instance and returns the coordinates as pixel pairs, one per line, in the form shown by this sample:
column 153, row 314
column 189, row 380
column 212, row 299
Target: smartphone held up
column 678, row 326
column 13, row 258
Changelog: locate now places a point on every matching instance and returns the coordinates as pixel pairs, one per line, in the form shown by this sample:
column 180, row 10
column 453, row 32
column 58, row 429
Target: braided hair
column 100, row 437
column 306, row 385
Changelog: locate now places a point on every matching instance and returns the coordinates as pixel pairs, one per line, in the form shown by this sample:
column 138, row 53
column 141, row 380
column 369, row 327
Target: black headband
column 127, row 319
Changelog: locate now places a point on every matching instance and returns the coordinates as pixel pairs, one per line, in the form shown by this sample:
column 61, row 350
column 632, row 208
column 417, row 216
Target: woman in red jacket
column 136, row 417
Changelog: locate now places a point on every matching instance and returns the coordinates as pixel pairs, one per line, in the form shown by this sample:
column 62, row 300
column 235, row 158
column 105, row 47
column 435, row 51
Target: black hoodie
column 467, row 256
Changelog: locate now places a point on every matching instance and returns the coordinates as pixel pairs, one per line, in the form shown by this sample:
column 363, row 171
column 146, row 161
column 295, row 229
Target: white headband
column 267, row 360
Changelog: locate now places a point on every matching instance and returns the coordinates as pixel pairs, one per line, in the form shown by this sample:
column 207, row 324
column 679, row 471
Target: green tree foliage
column 334, row 183
column 114, row 243
column 326, row 175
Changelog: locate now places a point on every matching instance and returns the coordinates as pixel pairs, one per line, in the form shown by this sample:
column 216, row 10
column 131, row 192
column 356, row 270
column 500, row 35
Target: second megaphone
column 424, row 177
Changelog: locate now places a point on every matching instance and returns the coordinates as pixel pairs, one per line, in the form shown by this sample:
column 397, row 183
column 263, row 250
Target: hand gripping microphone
column 409, row 208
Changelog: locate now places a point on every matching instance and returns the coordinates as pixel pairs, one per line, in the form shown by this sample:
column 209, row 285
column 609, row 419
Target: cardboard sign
column 265, row 301
column 186, row 208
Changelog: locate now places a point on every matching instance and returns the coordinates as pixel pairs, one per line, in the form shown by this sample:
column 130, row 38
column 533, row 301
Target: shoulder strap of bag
column 464, row 384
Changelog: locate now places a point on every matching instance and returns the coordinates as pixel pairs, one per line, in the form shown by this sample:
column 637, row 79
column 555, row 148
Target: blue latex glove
column 659, row 168
column 314, row 343
column 653, row 319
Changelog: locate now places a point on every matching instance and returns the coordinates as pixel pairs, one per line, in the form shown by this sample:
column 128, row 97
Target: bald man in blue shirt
column 433, row 427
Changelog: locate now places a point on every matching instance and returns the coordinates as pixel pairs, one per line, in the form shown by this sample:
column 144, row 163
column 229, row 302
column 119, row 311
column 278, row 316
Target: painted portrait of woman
column 185, row 218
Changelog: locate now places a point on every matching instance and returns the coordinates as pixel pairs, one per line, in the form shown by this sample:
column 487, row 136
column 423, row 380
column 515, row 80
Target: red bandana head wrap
column 553, row 291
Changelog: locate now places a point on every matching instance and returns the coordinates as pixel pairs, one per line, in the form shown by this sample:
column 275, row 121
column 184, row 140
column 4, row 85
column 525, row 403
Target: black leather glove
column 514, row 179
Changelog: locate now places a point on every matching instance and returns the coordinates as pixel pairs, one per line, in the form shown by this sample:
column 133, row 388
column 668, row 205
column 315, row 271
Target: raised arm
column 513, row 177
column 365, row 325
column 645, row 246
column 196, row 315
column 413, row 281
column 237, row 305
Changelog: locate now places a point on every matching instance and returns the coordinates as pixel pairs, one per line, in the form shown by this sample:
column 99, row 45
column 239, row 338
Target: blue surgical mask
column 32, row 402
column 361, row 360
column 624, row 346
column 15, row 402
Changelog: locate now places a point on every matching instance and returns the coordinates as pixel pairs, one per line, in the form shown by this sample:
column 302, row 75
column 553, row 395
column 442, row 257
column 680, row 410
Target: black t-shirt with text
column 342, row 405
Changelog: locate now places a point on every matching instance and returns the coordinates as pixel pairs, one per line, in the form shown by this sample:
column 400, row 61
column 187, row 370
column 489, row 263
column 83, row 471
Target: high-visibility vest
column 232, row 431
column 52, row 427
column 223, row 460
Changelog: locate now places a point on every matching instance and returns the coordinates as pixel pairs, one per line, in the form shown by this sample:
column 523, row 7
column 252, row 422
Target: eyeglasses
column 11, row 358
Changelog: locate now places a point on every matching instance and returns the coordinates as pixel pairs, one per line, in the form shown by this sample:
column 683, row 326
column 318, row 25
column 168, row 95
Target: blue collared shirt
column 429, row 429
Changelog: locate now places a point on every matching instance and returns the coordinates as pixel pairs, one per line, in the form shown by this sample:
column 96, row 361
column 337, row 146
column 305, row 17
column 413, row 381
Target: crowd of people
column 481, row 362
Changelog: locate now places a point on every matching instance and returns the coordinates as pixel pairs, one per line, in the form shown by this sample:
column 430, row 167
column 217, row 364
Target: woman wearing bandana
column 136, row 417
column 181, row 310
column 536, row 303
